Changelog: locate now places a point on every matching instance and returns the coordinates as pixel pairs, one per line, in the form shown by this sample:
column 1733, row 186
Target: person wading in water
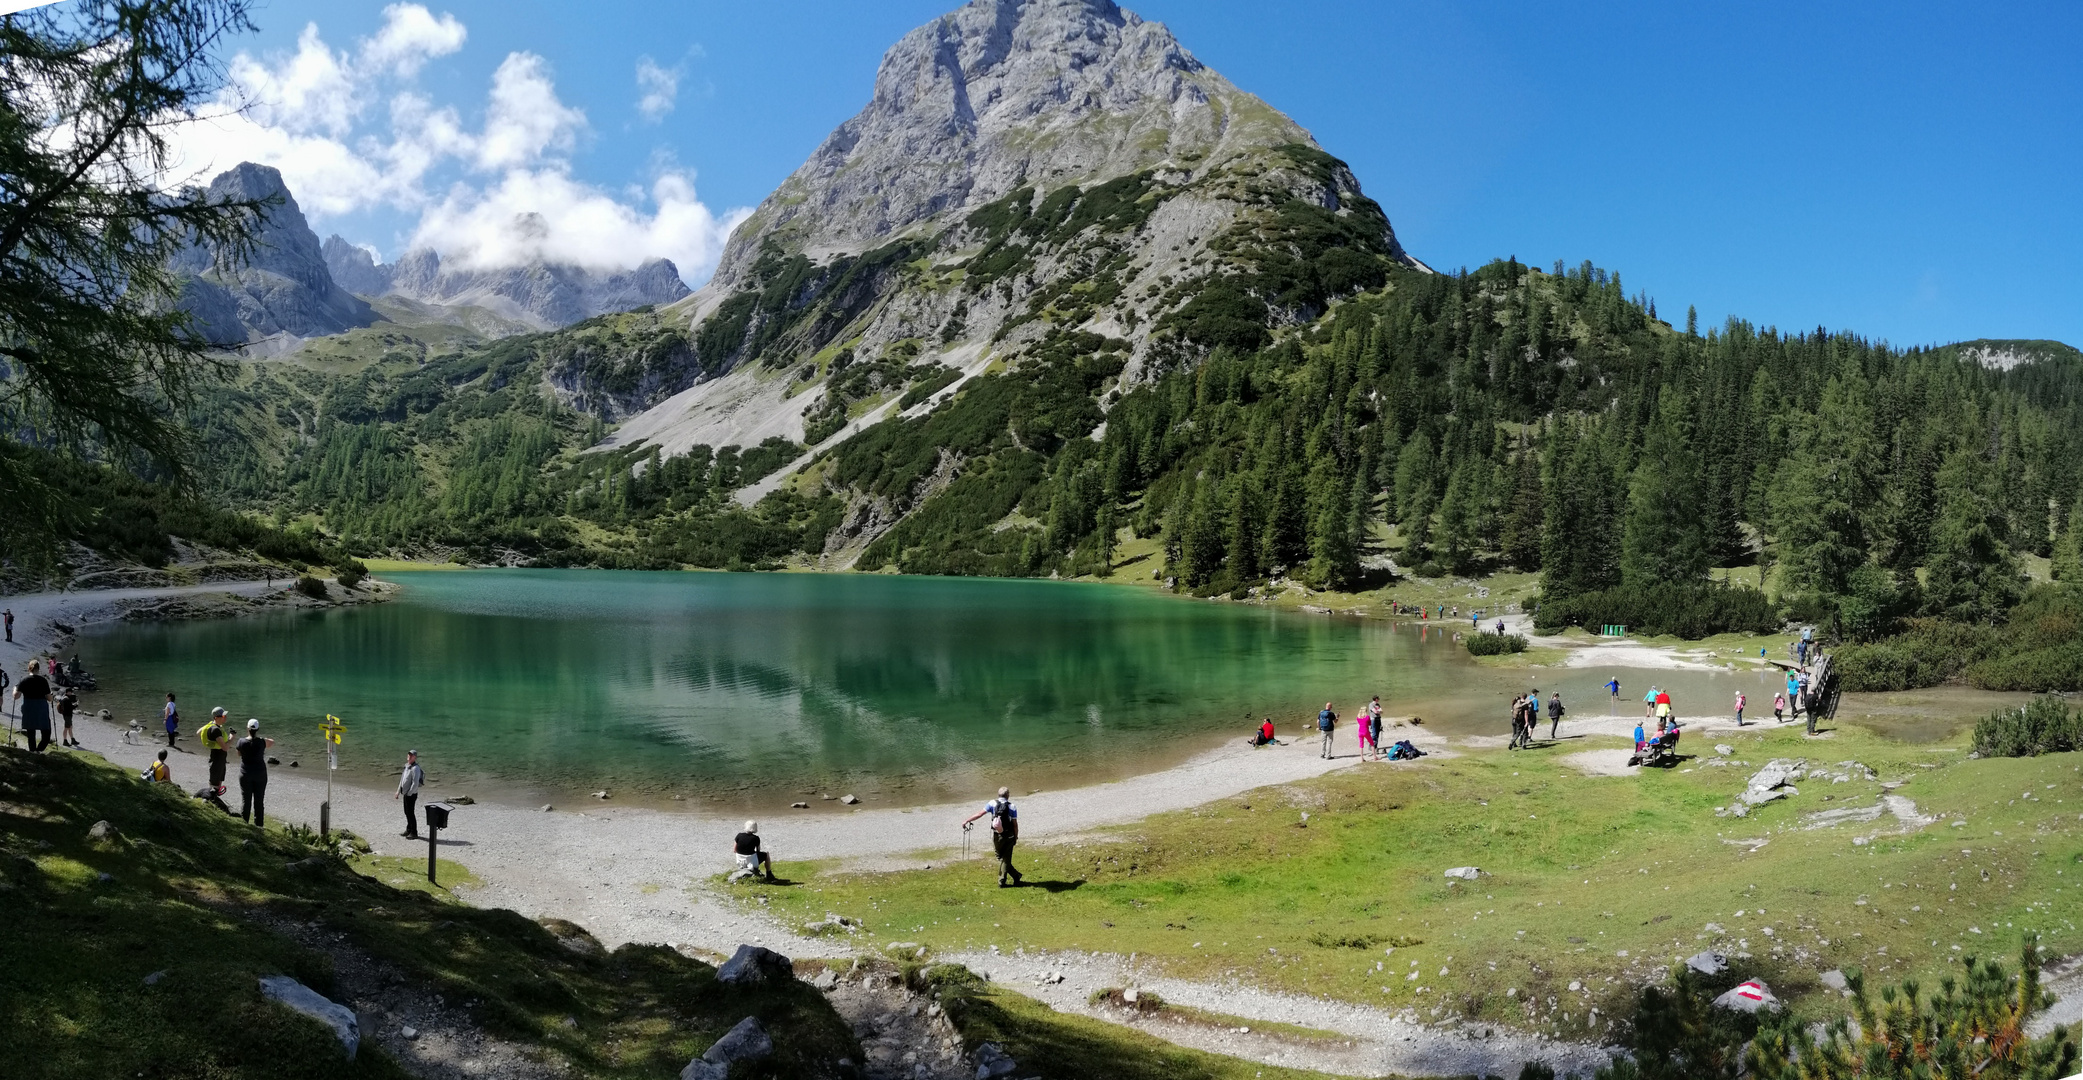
column 1005, row 832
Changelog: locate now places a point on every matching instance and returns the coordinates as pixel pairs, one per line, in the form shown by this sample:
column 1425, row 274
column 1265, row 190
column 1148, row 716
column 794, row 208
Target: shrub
column 1687, row 611
column 1496, row 644
column 311, row 587
column 1929, row 653
column 348, row 578
column 2058, row 669
column 2045, row 726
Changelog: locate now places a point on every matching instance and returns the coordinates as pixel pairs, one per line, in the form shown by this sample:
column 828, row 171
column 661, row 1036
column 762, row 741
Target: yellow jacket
column 214, row 736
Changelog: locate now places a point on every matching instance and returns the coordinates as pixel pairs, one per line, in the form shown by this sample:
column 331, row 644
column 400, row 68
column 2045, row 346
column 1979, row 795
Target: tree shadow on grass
column 1051, row 886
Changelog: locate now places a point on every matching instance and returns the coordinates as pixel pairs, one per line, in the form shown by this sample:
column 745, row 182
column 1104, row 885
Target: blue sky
column 1908, row 171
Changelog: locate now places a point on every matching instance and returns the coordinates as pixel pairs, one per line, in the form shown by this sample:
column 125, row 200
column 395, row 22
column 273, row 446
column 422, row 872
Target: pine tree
column 1333, row 561
column 1972, row 576
column 1663, row 540
column 1524, row 515
column 2068, row 549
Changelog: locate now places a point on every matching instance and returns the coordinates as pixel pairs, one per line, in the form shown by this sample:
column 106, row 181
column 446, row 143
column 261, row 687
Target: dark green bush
column 1930, row 652
column 1496, row 644
column 1687, row 611
column 311, row 587
column 348, row 578
column 2046, row 726
column 2056, row 669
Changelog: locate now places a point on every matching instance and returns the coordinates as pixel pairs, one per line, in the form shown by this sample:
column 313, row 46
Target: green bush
column 311, row 587
column 2058, row 669
column 1687, row 611
column 1496, row 644
column 1929, row 653
column 2046, row 726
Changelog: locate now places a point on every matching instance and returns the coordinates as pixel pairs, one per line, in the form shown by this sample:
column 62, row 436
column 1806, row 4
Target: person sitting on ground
column 157, row 772
column 751, row 859
column 1265, row 734
column 1669, row 737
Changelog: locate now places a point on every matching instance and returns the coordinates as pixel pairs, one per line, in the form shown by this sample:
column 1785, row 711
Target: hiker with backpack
column 1005, row 832
column 1327, row 722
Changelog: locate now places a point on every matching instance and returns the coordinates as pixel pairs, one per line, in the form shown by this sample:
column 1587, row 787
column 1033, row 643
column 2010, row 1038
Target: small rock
column 992, row 1062
column 463, row 800
column 409, row 1033
column 571, row 1023
column 105, row 877
column 1724, row 749
column 292, row 763
column 1465, row 873
column 1129, row 995
column 746, row 1042
column 752, row 964
column 274, row 761
column 1575, row 986
column 600, row 794
column 1749, row 997
column 311, row 1003
column 100, row 830
column 824, row 980
column 799, row 806
column 153, row 978
column 848, row 800
column 1709, row 962
column 545, row 808
column 1835, row 980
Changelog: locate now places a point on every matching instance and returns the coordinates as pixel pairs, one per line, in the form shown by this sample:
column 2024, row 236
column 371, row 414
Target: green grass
column 1605, row 881
column 199, row 896
column 409, row 873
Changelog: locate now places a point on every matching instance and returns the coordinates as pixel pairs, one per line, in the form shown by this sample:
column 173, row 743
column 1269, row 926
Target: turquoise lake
column 740, row 687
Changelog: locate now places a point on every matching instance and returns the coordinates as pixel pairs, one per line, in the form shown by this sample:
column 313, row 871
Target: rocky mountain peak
column 541, row 295
column 281, row 288
column 1000, row 94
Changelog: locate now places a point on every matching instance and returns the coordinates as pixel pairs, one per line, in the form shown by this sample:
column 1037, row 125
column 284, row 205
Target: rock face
column 752, row 965
column 281, row 288
column 748, row 1041
column 997, row 95
column 1024, row 170
column 541, row 295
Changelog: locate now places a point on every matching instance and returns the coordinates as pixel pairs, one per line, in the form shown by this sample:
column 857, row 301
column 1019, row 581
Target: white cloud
column 352, row 132
column 544, row 214
column 660, row 89
column 411, row 36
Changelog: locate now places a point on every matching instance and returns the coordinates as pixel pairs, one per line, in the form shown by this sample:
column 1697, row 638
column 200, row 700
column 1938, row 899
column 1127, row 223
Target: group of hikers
column 1429, row 612
column 1526, row 716
column 1367, row 723
column 34, row 699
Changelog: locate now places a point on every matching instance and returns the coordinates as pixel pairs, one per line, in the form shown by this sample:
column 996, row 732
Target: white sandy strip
column 1634, row 655
column 639, row 874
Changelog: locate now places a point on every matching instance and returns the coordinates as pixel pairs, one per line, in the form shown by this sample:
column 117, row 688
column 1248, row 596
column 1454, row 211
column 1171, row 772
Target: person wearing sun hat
column 253, row 775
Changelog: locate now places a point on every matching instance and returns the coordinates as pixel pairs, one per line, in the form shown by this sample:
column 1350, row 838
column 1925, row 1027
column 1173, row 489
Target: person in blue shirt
column 1640, row 737
column 1005, row 832
column 1613, row 691
column 1326, row 722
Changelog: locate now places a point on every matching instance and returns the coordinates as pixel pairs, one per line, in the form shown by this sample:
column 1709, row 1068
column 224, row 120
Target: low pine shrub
column 2058, row 669
column 1687, row 611
column 2046, row 726
column 1930, row 652
column 311, row 587
column 1496, row 644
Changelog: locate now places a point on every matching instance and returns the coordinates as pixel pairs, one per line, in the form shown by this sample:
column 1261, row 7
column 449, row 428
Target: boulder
column 993, row 1062
column 100, row 830
column 746, row 1042
column 1749, row 997
column 848, row 800
column 753, row 965
column 311, row 1003
column 1465, row 873
column 1835, row 980
column 1724, row 749
column 1776, row 772
column 1707, row 963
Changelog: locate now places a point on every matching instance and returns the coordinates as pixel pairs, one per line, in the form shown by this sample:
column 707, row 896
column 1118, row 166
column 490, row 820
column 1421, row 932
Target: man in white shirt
column 408, row 792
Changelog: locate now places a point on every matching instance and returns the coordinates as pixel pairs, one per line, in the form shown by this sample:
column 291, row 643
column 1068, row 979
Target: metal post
column 325, row 818
column 431, row 831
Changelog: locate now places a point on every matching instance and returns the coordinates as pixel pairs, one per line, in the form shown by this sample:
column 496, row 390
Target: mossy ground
column 1599, row 881
column 184, row 890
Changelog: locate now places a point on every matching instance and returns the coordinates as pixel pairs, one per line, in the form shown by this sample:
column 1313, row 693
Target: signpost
column 331, row 730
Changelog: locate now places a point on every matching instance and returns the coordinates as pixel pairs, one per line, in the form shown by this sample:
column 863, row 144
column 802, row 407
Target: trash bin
column 437, row 815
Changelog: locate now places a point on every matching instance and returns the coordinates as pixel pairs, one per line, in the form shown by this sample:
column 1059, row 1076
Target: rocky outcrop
column 281, row 287
column 541, row 295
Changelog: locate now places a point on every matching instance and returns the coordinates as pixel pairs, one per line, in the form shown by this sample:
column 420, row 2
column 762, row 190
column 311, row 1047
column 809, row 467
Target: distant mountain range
column 290, row 287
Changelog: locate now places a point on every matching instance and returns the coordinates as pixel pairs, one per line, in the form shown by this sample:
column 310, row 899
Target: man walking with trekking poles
column 1005, row 832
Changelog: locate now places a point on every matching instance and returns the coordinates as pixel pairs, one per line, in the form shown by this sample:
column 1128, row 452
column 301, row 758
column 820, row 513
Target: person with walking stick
column 1005, row 832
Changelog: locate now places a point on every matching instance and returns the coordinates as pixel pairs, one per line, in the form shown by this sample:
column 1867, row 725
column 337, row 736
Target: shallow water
column 737, row 686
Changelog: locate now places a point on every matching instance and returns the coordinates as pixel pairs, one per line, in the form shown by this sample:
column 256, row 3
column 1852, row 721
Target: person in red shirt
column 1265, row 733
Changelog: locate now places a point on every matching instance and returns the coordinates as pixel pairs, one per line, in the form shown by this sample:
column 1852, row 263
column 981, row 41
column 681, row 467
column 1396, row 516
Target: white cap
column 752, row 826
column 253, row 724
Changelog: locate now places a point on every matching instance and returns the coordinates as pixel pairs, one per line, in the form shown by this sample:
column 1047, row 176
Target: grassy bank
column 1593, row 886
column 213, row 905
